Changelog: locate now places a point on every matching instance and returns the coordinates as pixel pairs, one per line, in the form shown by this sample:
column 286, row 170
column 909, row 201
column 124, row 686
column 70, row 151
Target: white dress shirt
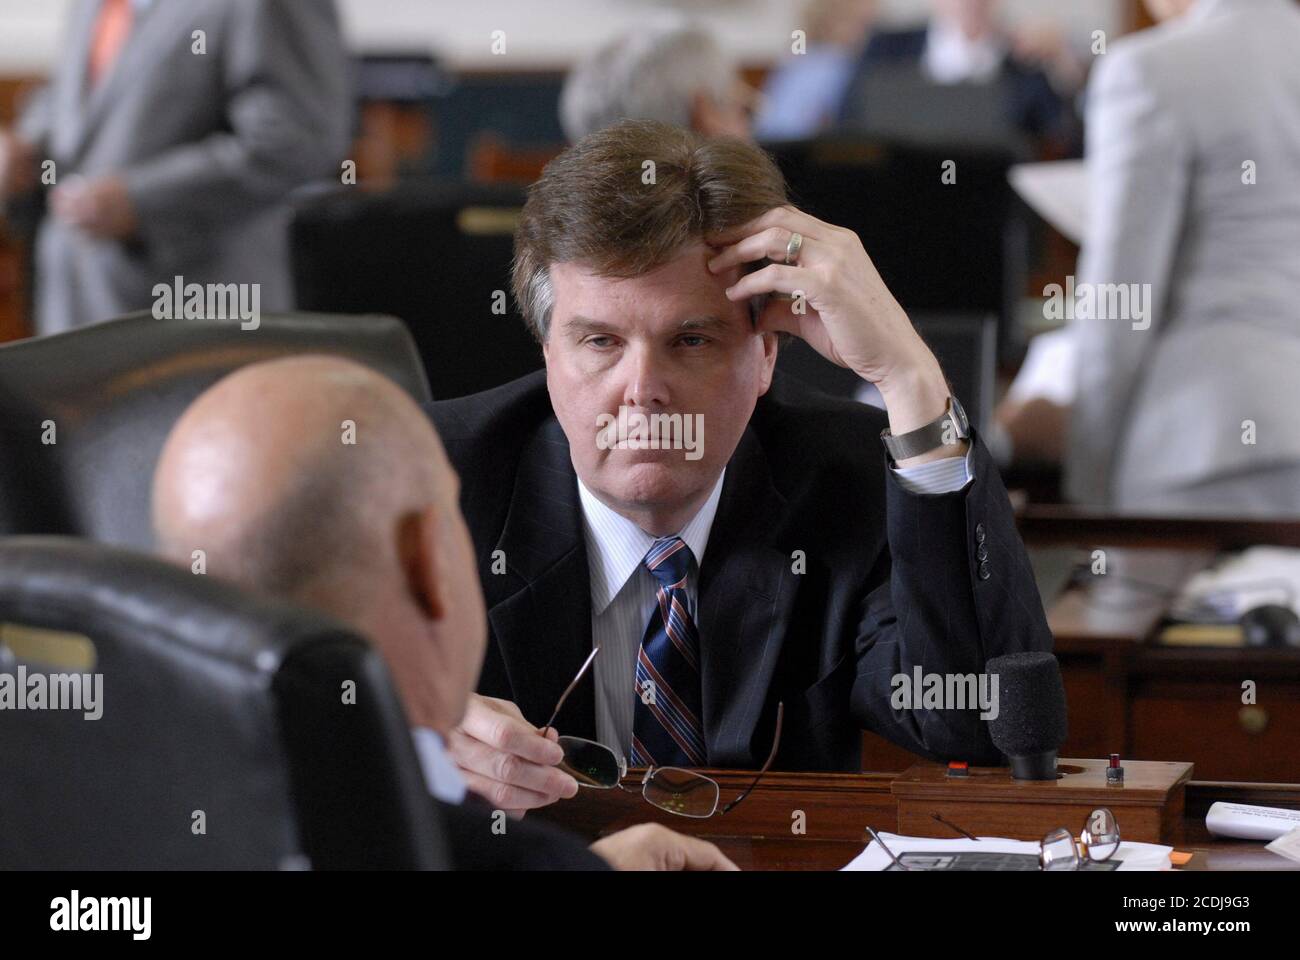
column 441, row 775
column 623, row 590
column 951, row 57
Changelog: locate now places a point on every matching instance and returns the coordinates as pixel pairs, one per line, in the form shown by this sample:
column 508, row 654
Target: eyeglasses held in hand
column 673, row 789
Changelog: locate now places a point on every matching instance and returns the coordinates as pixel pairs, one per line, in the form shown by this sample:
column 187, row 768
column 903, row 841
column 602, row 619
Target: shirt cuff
column 938, row 476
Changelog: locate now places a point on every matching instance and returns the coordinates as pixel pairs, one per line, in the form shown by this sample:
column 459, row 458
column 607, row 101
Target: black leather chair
column 113, row 392
column 964, row 344
column 212, row 700
column 433, row 254
column 942, row 248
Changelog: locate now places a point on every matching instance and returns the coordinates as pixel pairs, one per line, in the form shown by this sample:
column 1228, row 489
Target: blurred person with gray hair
column 672, row 71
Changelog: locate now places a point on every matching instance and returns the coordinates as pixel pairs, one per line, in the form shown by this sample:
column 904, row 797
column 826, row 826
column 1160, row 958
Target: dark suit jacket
column 892, row 580
column 1033, row 105
column 527, row 844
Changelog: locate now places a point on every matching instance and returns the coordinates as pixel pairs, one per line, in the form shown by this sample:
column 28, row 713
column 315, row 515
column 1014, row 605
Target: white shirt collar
column 949, row 57
column 616, row 546
column 441, row 775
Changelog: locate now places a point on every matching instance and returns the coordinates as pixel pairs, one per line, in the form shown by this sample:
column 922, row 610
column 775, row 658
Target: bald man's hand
column 649, row 846
column 506, row 760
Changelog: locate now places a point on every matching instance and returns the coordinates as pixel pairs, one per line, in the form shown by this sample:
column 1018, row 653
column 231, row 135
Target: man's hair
column 650, row 73
column 602, row 204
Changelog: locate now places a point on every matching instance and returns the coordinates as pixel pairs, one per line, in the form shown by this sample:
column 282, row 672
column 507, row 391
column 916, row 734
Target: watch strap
column 929, row 436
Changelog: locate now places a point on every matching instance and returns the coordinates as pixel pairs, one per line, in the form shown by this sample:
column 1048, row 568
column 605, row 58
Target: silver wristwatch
column 931, row 436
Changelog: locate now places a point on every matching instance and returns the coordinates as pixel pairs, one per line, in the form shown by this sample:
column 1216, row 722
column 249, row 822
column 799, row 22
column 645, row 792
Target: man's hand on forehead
column 834, row 298
column 710, row 251
column 837, row 303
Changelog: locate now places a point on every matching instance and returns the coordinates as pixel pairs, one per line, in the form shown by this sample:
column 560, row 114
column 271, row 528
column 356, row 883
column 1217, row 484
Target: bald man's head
column 320, row 481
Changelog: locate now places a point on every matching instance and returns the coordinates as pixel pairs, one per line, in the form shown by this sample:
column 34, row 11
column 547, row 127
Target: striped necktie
column 666, row 727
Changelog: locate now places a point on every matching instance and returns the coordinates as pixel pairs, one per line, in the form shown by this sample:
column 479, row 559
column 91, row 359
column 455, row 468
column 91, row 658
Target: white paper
column 1048, row 370
column 1256, row 576
column 1057, row 190
column 1133, row 856
column 1249, row 822
column 1287, row 845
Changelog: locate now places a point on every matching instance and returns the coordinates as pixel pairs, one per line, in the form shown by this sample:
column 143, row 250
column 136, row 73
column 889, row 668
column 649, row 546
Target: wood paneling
column 13, row 252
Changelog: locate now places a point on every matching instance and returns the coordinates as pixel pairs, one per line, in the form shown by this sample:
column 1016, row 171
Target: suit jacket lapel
column 96, row 102
column 746, row 591
column 70, row 108
column 543, row 628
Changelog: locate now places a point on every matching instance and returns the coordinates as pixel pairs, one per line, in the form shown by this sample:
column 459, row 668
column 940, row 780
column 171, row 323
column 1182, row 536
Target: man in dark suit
column 831, row 569
column 343, row 501
column 964, row 42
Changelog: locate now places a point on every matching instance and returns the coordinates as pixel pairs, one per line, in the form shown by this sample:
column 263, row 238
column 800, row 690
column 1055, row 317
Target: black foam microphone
column 1031, row 721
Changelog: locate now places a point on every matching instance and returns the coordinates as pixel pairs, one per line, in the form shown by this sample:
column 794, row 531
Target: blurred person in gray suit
column 1186, row 400
column 176, row 132
column 670, row 69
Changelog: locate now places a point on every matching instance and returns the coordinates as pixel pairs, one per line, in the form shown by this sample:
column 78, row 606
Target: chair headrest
column 86, row 412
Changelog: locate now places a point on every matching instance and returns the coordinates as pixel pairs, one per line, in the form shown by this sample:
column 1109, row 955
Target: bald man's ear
column 423, row 564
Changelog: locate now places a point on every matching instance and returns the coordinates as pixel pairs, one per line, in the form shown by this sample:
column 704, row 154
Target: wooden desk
column 1131, row 694
column 1127, row 692
column 760, row 834
column 1057, row 523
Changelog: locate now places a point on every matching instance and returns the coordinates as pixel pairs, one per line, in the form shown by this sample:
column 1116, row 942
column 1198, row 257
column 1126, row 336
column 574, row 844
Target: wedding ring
column 792, row 248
